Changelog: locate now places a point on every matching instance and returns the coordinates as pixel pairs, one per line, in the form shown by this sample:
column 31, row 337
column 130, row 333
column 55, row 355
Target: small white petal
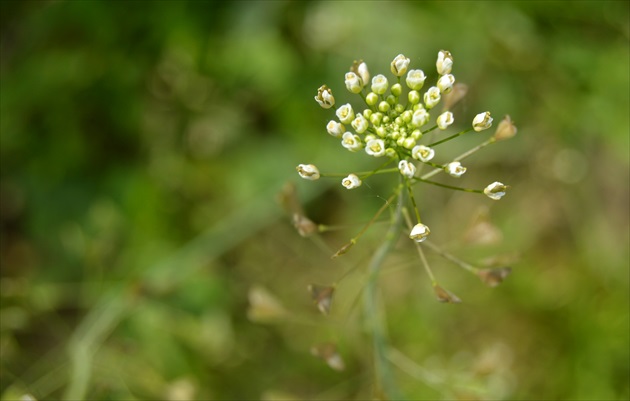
column 407, row 169
column 455, row 169
column 345, row 113
column 419, row 232
column 308, row 171
column 375, row 147
column 335, row 128
column 482, row 121
column 422, row 153
column 351, row 181
column 495, row 191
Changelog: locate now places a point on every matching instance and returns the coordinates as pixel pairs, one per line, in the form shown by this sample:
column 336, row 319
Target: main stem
column 374, row 319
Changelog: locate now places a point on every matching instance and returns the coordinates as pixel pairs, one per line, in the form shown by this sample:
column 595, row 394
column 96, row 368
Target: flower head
column 407, row 169
column 445, row 83
column 444, row 120
column 444, row 62
column 325, row 97
column 353, row 82
column 351, row 142
column 399, row 65
column 432, row 97
column 422, row 153
column 375, row 147
column 496, row 190
column 415, row 79
column 351, row 181
column 420, row 117
column 335, row 128
column 308, row 171
column 455, row 169
column 345, row 113
column 360, row 124
column 419, row 232
column 380, row 84
column 482, row 121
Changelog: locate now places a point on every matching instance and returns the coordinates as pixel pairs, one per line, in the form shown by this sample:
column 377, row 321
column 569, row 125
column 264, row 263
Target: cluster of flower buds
column 395, row 120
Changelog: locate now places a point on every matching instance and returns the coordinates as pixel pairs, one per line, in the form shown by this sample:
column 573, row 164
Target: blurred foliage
column 142, row 146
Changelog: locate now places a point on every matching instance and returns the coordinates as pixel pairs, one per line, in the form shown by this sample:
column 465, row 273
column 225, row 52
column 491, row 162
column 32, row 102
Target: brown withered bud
column 344, row 249
column 454, row 96
column 304, row 226
column 263, row 306
column 322, row 296
column 445, row 296
column 495, row 276
column 328, row 352
column 505, row 130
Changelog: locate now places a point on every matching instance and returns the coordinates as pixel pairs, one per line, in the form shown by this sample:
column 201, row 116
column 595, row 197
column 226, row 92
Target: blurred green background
column 143, row 145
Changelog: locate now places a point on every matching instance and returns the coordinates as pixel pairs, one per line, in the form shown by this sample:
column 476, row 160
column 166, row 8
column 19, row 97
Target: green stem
column 477, row 191
column 374, row 320
column 449, row 138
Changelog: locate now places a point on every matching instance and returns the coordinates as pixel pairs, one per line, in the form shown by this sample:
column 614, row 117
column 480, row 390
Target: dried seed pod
column 495, row 276
column 328, row 352
column 322, row 296
column 445, row 296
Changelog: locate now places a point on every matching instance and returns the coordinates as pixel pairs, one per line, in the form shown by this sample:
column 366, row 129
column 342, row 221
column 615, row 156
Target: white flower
column 496, row 190
column 419, row 232
column 415, row 79
column 444, row 120
column 432, row 97
column 335, row 128
column 353, row 82
column 482, row 121
column 364, row 73
column 407, row 169
column 445, row 83
column 325, row 97
column 351, row 181
column 422, row 153
column 420, row 117
column 351, row 142
column 444, row 62
column 375, row 147
column 360, row 124
column 379, row 84
column 399, row 65
column 345, row 113
column 455, row 169
column 308, row 171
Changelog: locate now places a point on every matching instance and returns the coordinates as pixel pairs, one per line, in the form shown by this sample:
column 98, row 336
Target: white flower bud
column 444, row 62
column 345, row 113
column 399, row 65
column 325, row 97
column 419, row 232
column 432, row 97
column 420, row 117
column 351, row 142
column 360, row 124
column 422, row 153
column 375, row 147
column 444, row 120
column 380, row 84
column 353, row 82
column 407, row 169
column 415, row 79
column 455, row 169
column 445, row 83
column 335, row 128
column 496, row 190
column 308, row 171
column 482, row 121
column 363, row 72
column 351, row 181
